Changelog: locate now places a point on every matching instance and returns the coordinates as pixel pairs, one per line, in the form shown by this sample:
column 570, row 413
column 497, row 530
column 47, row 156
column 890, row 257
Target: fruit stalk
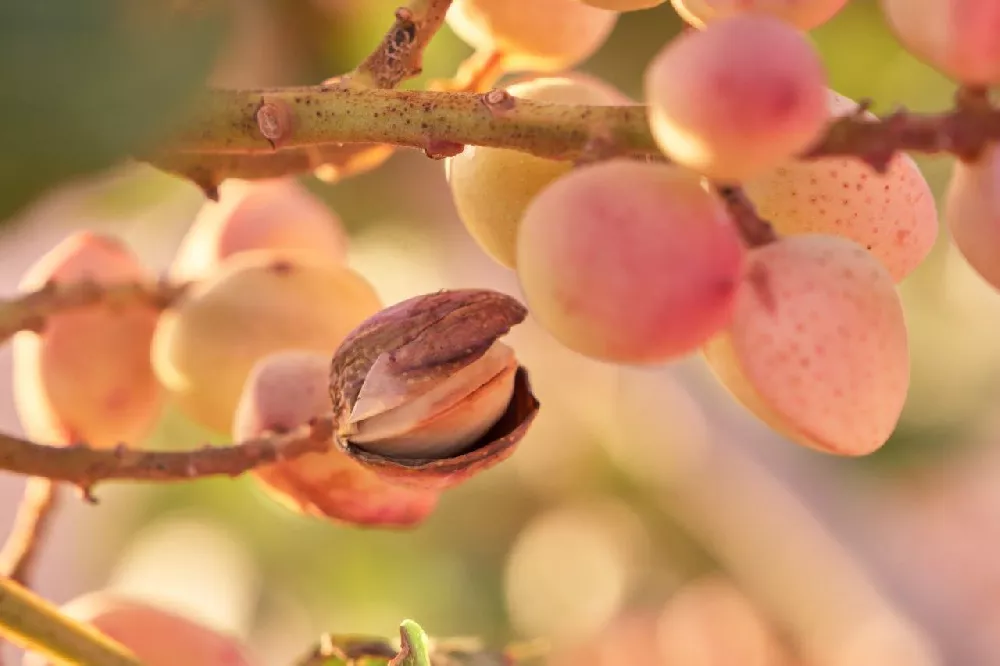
column 753, row 230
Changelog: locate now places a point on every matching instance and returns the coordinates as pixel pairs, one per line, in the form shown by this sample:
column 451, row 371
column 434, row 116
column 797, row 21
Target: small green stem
column 34, row 624
column 414, row 649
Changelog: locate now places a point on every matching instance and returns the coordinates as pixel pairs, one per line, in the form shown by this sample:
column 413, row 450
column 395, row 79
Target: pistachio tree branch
column 400, row 54
column 227, row 121
column 27, row 312
column 226, row 140
column 85, row 467
column 37, row 508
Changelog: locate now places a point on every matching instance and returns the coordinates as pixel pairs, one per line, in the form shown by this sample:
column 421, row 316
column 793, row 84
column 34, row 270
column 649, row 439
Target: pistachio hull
column 334, row 487
column 287, row 389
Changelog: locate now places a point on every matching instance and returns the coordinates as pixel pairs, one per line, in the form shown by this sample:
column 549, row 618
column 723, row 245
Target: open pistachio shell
column 423, row 393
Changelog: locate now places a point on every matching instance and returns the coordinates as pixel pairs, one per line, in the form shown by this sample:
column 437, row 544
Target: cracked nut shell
column 431, row 367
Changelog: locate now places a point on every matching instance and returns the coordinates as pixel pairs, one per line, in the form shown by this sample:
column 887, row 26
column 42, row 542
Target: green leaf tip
column 414, row 649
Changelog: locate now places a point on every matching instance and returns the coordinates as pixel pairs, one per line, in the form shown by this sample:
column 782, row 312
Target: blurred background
column 646, row 518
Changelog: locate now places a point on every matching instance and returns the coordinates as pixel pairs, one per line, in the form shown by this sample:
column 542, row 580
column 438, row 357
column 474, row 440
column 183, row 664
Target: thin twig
column 85, row 467
column 400, row 54
column 28, row 311
column 35, row 513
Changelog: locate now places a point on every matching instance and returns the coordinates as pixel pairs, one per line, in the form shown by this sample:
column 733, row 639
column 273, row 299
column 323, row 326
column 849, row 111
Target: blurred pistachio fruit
column 425, row 395
column 256, row 304
column 286, row 390
column 85, row 375
column 273, row 214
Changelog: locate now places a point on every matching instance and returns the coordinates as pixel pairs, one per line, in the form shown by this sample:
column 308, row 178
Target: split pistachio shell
column 423, row 393
column 444, row 420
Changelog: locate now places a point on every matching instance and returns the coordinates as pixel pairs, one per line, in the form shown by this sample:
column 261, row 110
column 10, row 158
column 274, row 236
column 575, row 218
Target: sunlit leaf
column 85, row 83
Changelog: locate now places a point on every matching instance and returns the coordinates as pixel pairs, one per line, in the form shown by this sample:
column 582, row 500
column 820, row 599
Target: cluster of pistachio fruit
column 273, row 330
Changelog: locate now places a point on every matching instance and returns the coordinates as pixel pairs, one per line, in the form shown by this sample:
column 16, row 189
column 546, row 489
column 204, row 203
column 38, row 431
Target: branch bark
column 85, row 467
column 225, row 141
column 332, row 114
column 28, row 311
column 400, row 55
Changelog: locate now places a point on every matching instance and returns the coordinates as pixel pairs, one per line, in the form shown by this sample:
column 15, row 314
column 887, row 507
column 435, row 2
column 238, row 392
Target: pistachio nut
column 425, row 395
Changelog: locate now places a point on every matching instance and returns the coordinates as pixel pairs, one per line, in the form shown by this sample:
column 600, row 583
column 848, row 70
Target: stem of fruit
column 224, row 139
column 34, row 624
column 85, row 467
column 754, row 230
column 34, row 514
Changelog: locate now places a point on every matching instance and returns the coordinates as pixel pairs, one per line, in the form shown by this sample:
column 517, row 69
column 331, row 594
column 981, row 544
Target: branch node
column 438, row 150
column 865, row 105
column 275, row 120
column 600, row 146
column 498, row 102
